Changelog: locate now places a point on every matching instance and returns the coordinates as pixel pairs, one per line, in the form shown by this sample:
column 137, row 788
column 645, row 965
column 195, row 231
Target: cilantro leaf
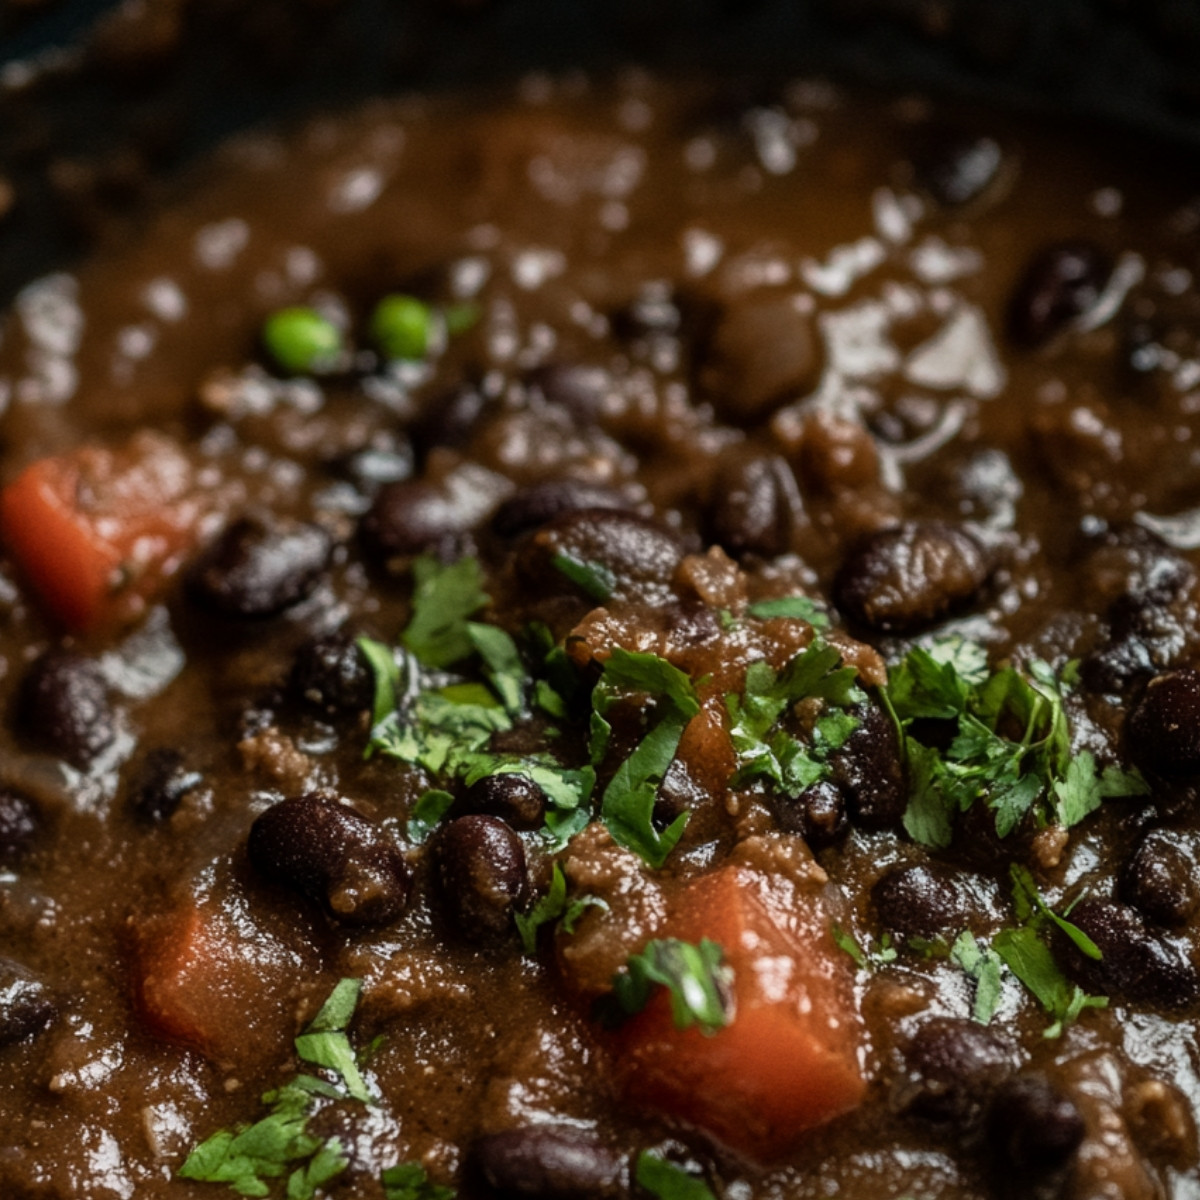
column 984, row 966
column 695, row 977
column 502, row 663
column 443, row 599
column 410, row 1181
column 668, row 1181
column 594, row 579
column 325, row 1044
column 928, row 817
column 866, row 960
column 1030, row 960
column 637, row 671
column 799, row 607
column 432, row 806
column 553, row 906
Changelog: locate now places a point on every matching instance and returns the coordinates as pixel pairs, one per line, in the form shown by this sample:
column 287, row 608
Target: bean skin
column 330, row 675
column 754, row 505
column 1159, row 879
column 20, row 824
column 26, row 1006
column 64, row 706
column 546, row 1162
column 479, row 865
column 908, row 578
column 1032, row 1127
column 957, row 169
column 952, row 1067
column 260, row 566
column 535, row 506
column 818, row 814
column 162, row 784
column 514, row 799
column 919, row 901
column 1163, row 729
column 1060, row 286
column 331, row 854
column 579, row 389
column 869, row 771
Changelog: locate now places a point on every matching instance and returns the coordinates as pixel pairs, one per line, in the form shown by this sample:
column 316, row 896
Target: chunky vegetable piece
column 788, row 1059
column 98, row 533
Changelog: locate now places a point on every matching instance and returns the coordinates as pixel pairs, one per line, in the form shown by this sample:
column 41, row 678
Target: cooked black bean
column 869, row 770
column 1130, row 562
column 329, row 674
column 920, row 901
column 260, row 566
column 754, row 505
column 64, row 707
column 1163, row 730
column 26, row 1006
column 1061, row 285
column 616, row 552
column 19, row 825
column 952, row 1067
column 1031, row 1126
column 905, row 579
column 1136, row 965
column 760, row 352
column 515, row 799
column 415, row 515
column 580, row 390
column 1117, row 666
column 547, row 1162
column 333, row 855
column 534, row 506
column 1159, row 878
column 955, row 169
column 449, row 420
column 162, row 783
column 818, row 814
column 480, row 868
column 692, row 623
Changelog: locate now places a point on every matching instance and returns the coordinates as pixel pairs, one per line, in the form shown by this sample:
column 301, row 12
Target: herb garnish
column 669, row 1181
column 985, row 967
column 250, row 1155
column 864, row 959
column 1011, row 745
column 594, row 579
column 800, row 607
column 781, row 758
column 696, row 977
column 628, row 804
column 410, row 1181
column 553, row 906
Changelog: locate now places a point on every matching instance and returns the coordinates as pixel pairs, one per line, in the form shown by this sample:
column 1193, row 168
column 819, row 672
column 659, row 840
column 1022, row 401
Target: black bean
column 1163, row 730
column 331, row 854
column 955, row 169
column 64, row 706
column 953, row 1066
column 692, row 623
column 761, row 352
column 515, row 799
column 920, row 901
column 636, row 558
column 532, row 507
column 547, row 1162
column 1135, row 965
column 580, row 390
column 260, row 566
column 1116, row 667
column 416, row 515
column 163, row 782
column 480, row 869
column 26, row 1006
column 869, row 771
column 20, row 823
column 329, row 674
column 1130, row 563
column 754, row 504
column 1032, row 1127
column 1061, row 285
column 1159, row 880
column 449, row 420
column 905, row 579
column 818, row 814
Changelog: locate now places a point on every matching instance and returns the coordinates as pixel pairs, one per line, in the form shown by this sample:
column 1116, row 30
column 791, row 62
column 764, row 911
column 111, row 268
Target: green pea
column 402, row 328
column 302, row 341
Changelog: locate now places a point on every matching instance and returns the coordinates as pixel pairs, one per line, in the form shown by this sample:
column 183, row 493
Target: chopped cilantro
column 1011, row 747
column 553, row 906
column 247, row 1157
column 800, row 607
column 695, row 976
column 668, row 1181
column 595, row 580
column 427, row 812
column 984, row 966
column 443, row 598
column 410, row 1181
column 866, row 960
column 1030, row 960
column 501, row 663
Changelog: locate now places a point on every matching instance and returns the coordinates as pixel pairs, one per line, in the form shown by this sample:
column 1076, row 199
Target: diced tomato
column 98, row 532
column 206, row 980
column 789, row 1059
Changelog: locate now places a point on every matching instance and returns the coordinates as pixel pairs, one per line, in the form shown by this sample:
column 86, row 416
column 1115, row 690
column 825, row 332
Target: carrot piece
column 98, row 532
column 789, row 1059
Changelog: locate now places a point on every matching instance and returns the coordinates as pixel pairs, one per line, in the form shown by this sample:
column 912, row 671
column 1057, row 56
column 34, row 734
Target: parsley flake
column 799, row 607
column 983, row 965
column 410, row 1181
column 595, row 580
column 669, row 1181
column 553, row 906
column 695, row 977
column 443, row 598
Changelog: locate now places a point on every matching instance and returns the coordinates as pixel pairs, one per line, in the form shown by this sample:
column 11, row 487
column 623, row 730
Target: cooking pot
column 101, row 103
